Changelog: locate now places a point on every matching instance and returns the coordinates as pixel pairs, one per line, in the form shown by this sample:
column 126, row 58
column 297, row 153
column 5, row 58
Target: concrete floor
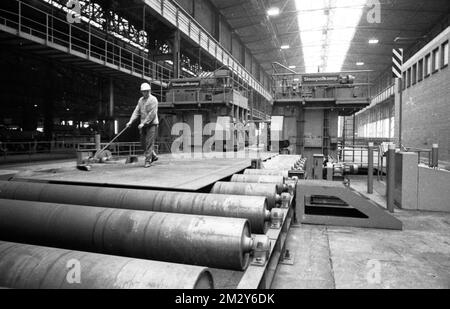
column 355, row 258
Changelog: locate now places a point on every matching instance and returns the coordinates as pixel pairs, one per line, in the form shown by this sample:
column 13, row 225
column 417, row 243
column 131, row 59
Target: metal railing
column 425, row 155
column 381, row 97
column 358, row 155
column 384, row 95
column 8, row 149
column 178, row 17
column 119, row 149
column 260, row 115
column 90, row 44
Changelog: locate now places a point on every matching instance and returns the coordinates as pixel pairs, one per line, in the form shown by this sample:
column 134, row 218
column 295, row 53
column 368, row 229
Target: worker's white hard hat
column 146, row 87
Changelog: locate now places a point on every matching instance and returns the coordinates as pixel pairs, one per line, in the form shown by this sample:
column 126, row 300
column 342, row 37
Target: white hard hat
column 146, row 87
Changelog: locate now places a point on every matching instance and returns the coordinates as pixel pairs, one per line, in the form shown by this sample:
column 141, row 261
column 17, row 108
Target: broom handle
column 109, row 144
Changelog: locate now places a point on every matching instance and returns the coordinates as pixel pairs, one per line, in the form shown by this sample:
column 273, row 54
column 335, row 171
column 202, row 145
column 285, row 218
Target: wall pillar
column 111, row 108
column 176, row 53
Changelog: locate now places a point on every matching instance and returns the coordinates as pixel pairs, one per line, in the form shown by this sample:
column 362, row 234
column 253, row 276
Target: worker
column 147, row 112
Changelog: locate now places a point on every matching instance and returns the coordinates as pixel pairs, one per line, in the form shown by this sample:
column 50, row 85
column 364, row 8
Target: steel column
column 370, row 169
column 390, row 185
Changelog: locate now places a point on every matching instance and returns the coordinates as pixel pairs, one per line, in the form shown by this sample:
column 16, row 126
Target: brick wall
column 426, row 105
column 426, row 113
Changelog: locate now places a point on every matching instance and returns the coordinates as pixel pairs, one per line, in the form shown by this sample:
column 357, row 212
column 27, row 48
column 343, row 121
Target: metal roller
column 253, row 208
column 277, row 180
column 208, row 241
column 267, row 172
column 252, row 189
column 31, row 267
column 282, row 162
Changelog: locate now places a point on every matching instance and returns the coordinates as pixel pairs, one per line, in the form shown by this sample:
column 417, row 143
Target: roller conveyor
column 258, row 251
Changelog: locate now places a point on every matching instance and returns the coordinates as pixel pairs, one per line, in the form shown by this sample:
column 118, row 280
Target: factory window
column 414, row 75
column 435, row 60
column 408, row 78
column 427, row 65
column 445, row 54
column 420, row 71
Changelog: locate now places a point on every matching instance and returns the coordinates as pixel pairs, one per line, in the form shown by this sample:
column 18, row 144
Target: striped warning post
column 397, row 62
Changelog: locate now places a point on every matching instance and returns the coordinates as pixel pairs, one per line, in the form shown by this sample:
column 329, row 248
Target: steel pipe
column 249, row 189
column 277, row 180
column 195, row 240
column 31, row 267
column 267, row 172
column 370, row 160
column 253, row 208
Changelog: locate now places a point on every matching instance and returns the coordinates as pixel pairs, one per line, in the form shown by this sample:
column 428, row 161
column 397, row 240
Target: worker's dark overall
column 148, row 138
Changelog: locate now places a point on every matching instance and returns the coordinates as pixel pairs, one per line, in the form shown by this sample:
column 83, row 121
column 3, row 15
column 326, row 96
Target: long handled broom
column 87, row 167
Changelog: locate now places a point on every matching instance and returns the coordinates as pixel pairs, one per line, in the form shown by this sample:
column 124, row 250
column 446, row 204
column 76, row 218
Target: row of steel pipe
column 32, row 267
column 195, row 240
column 300, row 165
column 270, row 183
column 253, row 208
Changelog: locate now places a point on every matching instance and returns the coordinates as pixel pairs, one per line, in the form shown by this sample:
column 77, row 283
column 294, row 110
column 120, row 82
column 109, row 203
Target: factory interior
column 227, row 145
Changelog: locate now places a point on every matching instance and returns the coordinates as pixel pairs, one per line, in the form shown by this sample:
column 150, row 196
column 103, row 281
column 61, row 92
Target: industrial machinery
column 218, row 98
column 315, row 85
column 307, row 108
column 332, row 169
column 218, row 86
column 31, row 267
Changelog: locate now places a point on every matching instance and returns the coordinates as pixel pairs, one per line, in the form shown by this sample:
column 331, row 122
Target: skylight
column 327, row 28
